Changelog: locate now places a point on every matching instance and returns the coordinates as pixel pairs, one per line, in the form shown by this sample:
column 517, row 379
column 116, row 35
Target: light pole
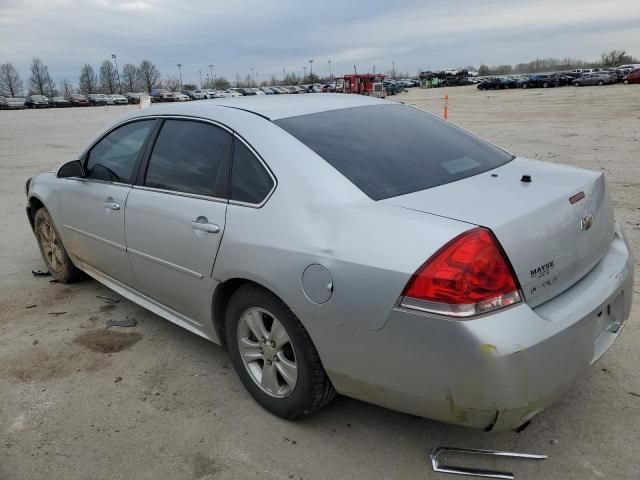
column 393, row 70
column 284, row 76
column 214, row 81
column 311, row 69
column 200, row 72
column 211, row 71
column 180, row 71
column 330, row 75
column 46, row 69
column 304, row 75
column 115, row 60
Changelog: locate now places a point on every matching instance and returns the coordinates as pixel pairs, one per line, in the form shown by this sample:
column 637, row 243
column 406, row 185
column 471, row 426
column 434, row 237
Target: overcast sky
column 268, row 36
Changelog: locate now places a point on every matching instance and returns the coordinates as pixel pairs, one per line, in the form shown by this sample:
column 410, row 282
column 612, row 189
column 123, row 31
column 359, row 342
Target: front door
column 175, row 220
column 92, row 208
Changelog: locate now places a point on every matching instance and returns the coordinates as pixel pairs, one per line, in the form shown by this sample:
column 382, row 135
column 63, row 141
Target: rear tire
column 600, row 83
column 279, row 365
column 524, row 85
column 53, row 252
column 545, row 85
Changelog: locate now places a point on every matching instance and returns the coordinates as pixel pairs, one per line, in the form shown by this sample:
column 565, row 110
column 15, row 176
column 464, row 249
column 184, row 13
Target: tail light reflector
column 469, row 276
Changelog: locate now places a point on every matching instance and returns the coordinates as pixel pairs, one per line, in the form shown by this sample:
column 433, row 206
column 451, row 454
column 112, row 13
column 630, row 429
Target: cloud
column 270, row 36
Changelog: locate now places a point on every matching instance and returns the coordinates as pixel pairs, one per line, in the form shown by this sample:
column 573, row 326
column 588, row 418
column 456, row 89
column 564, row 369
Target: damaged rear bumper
column 494, row 372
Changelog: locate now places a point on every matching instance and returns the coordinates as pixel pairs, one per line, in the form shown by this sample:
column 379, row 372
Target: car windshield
column 37, row 97
column 390, row 150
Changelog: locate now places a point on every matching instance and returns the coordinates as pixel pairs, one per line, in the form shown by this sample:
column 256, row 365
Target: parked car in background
column 78, row 100
column 492, row 83
column 199, row 94
column 96, row 99
column 633, row 77
column 161, row 95
column 562, row 79
column 12, row 103
column 617, row 74
column 59, row 102
column 133, row 97
column 190, row 93
column 592, row 79
column 391, row 87
column 429, row 280
column 541, row 81
column 232, row 93
column 180, row 97
column 512, row 81
column 117, row 99
column 37, row 101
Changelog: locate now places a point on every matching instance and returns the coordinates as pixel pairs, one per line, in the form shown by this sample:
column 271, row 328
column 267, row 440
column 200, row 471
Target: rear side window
column 250, row 182
column 190, row 157
column 390, row 150
column 114, row 157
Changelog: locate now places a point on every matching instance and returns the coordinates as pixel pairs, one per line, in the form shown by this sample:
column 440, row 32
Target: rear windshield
column 390, row 150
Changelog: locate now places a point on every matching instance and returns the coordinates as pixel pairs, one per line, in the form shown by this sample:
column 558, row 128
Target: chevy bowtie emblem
column 586, row 222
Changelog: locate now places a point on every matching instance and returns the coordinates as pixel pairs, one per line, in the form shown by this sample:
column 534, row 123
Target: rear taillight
column 469, row 276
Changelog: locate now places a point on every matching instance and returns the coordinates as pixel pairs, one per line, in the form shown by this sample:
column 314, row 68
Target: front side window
column 250, row 182
column 190, row 157
column 114, row 157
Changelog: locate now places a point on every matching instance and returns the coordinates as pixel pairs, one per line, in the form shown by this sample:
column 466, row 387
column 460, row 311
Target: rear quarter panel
column 316, row 216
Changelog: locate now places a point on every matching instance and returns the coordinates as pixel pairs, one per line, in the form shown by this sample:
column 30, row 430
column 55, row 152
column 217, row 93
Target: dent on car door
column 176, row 217
column 92, row 208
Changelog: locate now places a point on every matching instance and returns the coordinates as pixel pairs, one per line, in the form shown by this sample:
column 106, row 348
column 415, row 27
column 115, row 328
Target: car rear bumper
column 493, row 372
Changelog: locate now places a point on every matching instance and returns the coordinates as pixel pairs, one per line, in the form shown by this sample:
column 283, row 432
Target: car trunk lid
column 554, row 228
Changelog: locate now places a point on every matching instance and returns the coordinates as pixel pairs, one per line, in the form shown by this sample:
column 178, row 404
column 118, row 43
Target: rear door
column 176, row 216
column 92, row 208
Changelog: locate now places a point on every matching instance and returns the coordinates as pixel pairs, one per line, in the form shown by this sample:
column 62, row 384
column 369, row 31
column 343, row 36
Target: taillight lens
column 469, row 276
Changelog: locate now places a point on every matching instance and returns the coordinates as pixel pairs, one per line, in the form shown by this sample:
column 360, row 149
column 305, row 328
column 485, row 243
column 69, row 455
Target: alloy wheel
column 267, row 353
column 51, row 246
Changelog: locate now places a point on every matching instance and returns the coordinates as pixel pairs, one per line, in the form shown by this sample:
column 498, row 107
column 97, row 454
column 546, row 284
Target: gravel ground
column 154, row 401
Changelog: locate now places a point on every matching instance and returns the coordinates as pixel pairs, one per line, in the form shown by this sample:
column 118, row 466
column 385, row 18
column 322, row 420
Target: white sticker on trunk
column 460, row 164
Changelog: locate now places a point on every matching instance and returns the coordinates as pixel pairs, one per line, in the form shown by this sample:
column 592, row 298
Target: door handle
column 202, row 224
column 112, row 205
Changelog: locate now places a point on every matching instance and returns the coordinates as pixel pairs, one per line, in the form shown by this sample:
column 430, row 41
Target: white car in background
column 232, row 93
column 180, row 97
column 117, row 99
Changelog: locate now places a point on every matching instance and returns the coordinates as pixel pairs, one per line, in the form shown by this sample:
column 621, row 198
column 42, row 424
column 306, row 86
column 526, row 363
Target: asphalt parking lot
column 78, row 401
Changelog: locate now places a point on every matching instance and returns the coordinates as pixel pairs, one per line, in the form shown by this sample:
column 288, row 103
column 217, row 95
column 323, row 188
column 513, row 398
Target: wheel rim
column 51, row 246
column 267, row 353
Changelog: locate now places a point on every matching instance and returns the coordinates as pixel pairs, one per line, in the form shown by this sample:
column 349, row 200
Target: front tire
column 274, row 355
column 53, row 252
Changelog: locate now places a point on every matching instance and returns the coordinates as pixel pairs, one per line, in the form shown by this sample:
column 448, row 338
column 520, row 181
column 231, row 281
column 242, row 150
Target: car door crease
column 173, row 266
column 96, row 237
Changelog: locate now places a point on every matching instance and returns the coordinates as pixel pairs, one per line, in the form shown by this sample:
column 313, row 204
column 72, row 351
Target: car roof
column 273, row 107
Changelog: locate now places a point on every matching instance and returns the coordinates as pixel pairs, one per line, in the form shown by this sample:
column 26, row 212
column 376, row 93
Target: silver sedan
column 338, row 243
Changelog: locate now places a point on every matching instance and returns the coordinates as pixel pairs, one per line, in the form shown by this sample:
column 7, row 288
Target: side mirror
column 73, row 168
